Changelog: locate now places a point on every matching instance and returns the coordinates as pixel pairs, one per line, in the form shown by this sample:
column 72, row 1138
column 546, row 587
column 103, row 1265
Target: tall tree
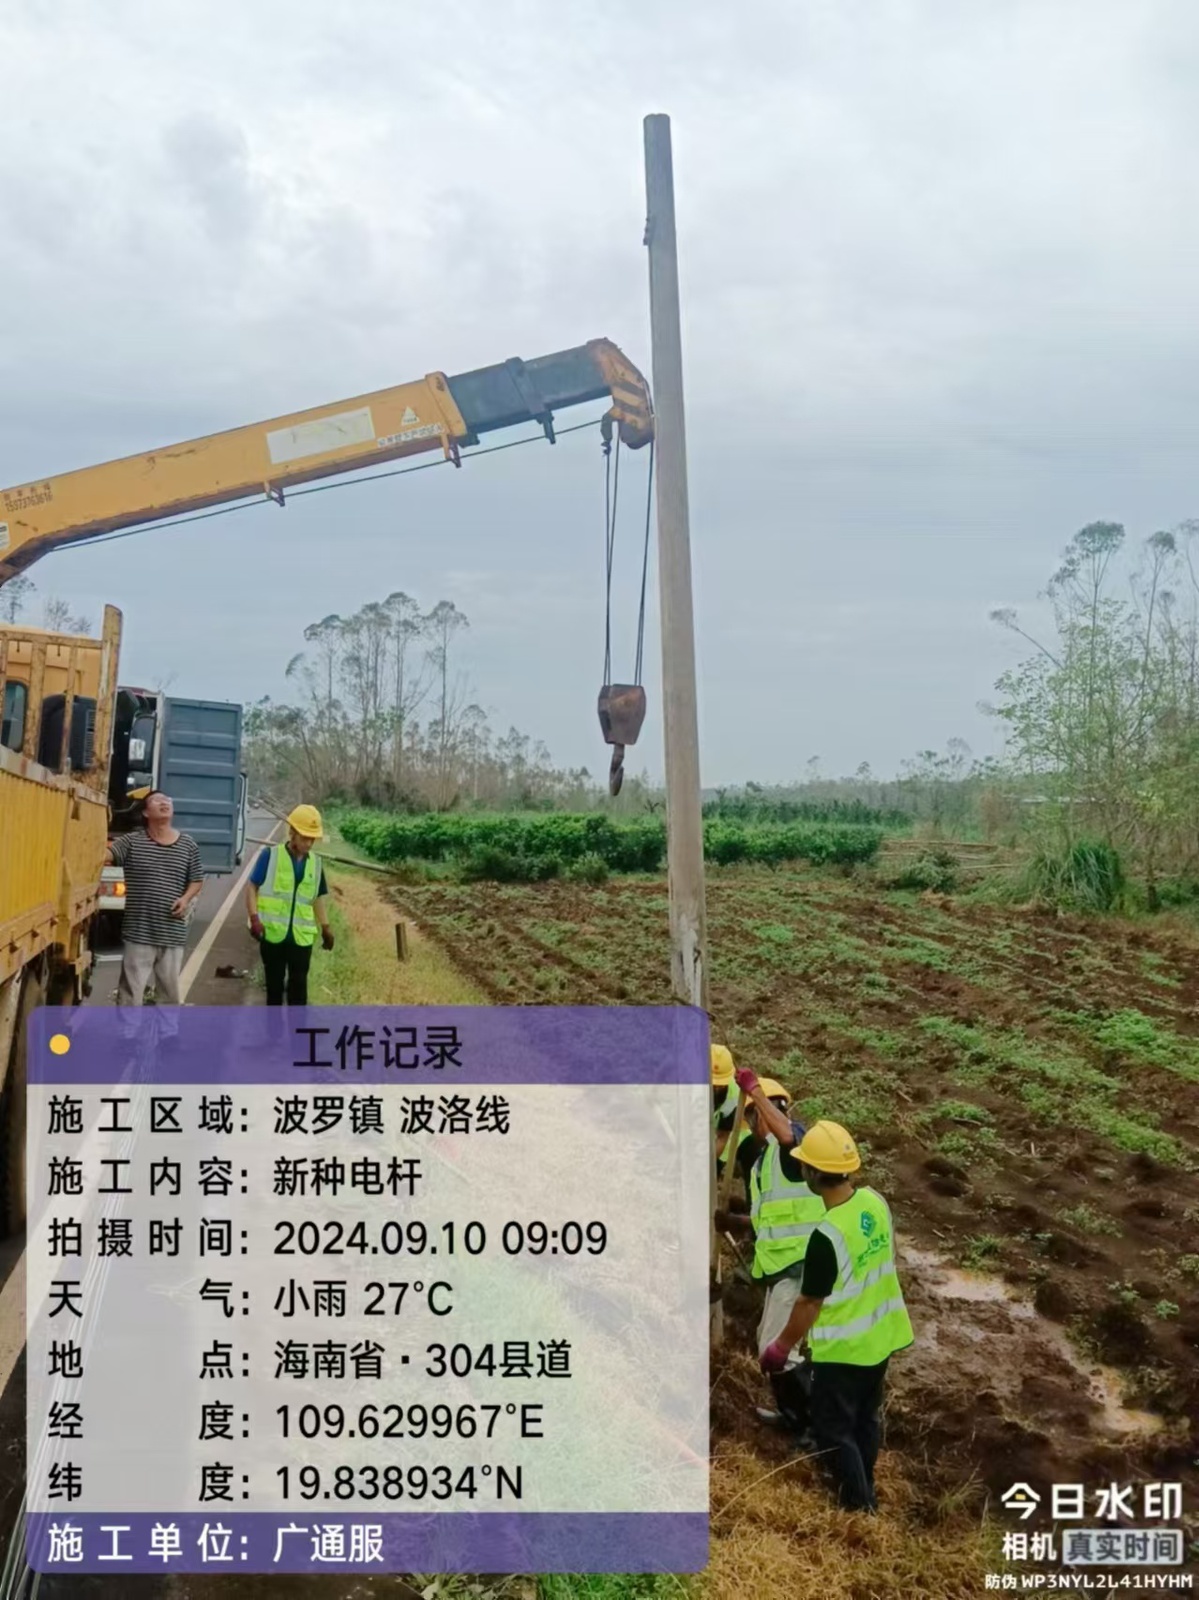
column 1104, row 715
column 441, row 626
column 405, row 626
column 58, row 617
column 15, row 596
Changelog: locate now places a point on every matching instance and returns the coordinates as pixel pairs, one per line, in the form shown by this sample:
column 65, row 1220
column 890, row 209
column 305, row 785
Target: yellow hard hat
column 773, row 1090
column 306, row 820
column 828, row 1147
column 722, row 1067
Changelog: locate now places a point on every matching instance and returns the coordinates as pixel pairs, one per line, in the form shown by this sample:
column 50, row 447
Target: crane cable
column 320, row 488
column 611, row 500
column 649, row 514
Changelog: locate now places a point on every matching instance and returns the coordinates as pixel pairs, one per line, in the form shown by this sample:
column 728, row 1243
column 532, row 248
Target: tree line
column 1100, row 719
column 382, row 715
column 56, row 614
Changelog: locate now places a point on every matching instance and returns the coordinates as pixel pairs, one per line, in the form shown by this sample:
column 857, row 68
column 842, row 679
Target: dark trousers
column 793, row 1396
column 845, row 1419
column 286, row 966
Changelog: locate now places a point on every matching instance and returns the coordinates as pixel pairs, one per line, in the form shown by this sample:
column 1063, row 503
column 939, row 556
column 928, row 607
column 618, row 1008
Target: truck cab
column 190, row 749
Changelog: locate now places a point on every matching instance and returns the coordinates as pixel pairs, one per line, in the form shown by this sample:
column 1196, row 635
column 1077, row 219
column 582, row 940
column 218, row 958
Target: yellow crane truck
column 58, row 692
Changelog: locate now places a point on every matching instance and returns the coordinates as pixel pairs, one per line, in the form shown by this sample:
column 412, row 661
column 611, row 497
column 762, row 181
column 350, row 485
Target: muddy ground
column 1028, row 1088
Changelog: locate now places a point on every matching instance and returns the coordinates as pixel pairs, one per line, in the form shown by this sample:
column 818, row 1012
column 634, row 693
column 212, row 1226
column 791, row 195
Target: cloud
column 210, row 162
column 937, row 267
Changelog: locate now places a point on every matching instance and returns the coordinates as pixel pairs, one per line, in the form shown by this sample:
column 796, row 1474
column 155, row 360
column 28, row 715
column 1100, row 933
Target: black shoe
column 782, row 1423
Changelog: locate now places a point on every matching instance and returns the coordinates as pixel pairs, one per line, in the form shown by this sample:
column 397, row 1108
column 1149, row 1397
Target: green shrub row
column 523, row 848
column 761, row 808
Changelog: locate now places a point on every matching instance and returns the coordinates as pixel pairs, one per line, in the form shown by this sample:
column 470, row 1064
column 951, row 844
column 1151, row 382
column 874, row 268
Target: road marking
column 200, row 954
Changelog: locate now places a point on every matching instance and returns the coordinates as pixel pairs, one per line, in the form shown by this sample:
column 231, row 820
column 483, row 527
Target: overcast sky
column 938, row 265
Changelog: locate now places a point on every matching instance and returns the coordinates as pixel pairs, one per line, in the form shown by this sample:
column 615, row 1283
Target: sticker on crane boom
column 322, row 436
column 3, row 535
column 429, row 430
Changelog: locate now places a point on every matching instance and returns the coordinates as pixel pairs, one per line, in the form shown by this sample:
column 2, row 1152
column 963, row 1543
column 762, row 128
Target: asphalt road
column 231, row 946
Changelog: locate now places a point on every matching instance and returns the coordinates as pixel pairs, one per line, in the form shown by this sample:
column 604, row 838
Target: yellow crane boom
column 435, row 412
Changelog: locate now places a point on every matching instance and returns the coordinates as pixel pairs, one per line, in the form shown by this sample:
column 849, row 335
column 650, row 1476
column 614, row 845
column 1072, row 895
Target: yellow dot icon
column 60, row 1044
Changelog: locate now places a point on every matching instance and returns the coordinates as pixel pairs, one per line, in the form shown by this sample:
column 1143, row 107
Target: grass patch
column 960, row 1111
column 1131, row 1133
column 1124, row 1292
column 865, row 1100
column 982, row 1251
column 874, row 986
column 1087, row 1220
column 1058, row 1086
column 920, row 953
column 1152, row 965
column 1138, row 1038
column 968, row 1147
column 362, row 968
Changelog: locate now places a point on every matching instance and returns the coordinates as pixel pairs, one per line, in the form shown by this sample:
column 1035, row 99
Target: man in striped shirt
column 162, row 879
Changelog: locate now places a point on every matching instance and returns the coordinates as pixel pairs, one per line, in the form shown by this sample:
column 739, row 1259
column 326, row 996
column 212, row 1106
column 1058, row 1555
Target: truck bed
column 55, row 832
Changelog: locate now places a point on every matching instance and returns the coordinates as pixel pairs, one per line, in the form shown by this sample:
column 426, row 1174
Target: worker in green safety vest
column 286, row 903
column 753, row 1141
column 784, row 1212
column 851, row 1310
column 724, row 1106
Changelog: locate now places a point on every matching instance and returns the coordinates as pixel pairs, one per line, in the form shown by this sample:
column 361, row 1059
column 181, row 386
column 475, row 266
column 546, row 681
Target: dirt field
column 1028, row 1090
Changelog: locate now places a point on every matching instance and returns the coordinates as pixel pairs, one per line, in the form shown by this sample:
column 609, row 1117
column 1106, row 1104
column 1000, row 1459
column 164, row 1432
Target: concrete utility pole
column 680, row 723
column 680, row 719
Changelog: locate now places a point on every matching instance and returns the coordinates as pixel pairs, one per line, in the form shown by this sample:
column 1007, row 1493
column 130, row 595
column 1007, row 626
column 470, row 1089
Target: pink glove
column 747, row 1079
column 256, row 929
column 774, row 1357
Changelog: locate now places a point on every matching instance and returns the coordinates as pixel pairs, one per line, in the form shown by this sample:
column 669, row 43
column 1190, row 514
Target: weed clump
column 931, row 870
column 1088, row 876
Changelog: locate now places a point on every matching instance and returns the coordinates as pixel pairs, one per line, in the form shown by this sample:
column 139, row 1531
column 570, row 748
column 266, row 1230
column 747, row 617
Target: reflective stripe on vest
column 287, row 903
column 864, row 1320
column 728, row 1144
column 785, row 1215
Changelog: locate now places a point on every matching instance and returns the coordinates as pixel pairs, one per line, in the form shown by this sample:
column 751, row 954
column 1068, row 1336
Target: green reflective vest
column 864, row 1320
column 728, row 1101
column 785, row 1215
column 285, row 902
column 721, row 1110
column 728, row 1145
